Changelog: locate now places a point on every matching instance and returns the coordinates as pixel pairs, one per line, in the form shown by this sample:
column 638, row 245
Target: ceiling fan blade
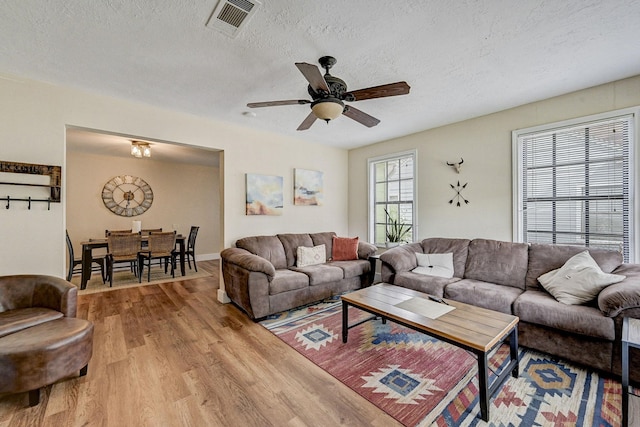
column 391, row 89
column 360, row 116
column 313, row 76
column 274, row 103
column 306, row 123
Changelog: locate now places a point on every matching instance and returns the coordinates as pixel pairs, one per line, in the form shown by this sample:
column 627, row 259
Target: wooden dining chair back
column 161, row 246
column 190, row 251
column 148, row 231
column 77, row 261
column 123, row 248
column 108, row 232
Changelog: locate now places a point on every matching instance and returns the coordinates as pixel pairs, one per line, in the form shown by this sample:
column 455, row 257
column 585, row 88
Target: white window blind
column 575, row 184
column 391, row 189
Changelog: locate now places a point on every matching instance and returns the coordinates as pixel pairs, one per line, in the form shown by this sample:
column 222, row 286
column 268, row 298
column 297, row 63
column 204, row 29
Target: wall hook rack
column 55, row 182
column 29, row 200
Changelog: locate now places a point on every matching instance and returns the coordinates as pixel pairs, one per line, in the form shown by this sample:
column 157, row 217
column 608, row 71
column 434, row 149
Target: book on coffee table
column 425, row 307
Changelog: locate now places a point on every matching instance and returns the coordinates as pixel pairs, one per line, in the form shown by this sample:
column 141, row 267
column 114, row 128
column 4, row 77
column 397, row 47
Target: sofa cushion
column 267, row 247
column 324, row 238
column 290, row 242
column 344, row 248
column 459, row 248
column 287, row 280
column 578, row 281
column 320, row 274
column 311, row 256
column 353, row 268
column 439, row 265
column 419, row 282
column 541, row 308
column 15, row 320
column 483, row 294
column 493, row 261
column 545, row 257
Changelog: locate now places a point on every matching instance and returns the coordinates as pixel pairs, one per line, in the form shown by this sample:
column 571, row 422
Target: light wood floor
column 172, row 355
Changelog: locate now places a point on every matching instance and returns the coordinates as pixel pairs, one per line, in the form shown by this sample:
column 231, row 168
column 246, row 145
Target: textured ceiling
column 462, row 58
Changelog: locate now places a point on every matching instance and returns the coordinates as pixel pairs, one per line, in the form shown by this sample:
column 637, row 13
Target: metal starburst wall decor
column 458, row 197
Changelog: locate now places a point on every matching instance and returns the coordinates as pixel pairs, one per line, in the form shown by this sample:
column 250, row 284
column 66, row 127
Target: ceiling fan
column 329, row 94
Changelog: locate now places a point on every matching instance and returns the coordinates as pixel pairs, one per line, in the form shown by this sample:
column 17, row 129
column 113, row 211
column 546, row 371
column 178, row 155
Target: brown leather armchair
column 41, row 341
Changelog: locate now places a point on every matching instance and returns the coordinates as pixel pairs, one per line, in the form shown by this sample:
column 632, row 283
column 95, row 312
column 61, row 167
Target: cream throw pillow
column 578, row 281
column 439, row 265
column 311, row 256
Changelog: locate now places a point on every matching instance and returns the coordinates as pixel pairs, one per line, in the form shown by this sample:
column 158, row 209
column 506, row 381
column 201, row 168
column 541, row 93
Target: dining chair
column 161, row 246
column 123, row 248
column 190, row 250
column 73, row 262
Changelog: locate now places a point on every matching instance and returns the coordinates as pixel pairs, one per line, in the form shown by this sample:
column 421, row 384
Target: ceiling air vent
column 230, row 16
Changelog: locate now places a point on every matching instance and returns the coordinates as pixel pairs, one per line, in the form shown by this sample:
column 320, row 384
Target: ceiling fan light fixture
column 327, row 108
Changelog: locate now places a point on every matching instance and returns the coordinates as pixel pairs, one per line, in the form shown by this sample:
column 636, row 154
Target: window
column 392, row 195
column 575, row 183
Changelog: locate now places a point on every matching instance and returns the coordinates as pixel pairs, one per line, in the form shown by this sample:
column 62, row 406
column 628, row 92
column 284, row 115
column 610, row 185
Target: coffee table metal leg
column 345, row 321
column 513, row 350
column 625, row 384
column 483, row 386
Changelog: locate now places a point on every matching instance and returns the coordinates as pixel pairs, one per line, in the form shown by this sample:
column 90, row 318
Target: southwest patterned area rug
column 421, row 381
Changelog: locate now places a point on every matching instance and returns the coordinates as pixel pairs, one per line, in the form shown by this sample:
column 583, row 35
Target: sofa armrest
column 623, row 295
column 402, row 258
column 36, row 290
column 366, row 249
column 245, row 259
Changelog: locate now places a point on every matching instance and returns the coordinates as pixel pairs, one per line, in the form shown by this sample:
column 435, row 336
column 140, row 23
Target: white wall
column 184, row 195
column 34, row 116
column 485, row 145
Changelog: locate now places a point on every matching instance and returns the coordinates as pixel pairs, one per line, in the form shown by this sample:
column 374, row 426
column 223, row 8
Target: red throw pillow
column 345, row 248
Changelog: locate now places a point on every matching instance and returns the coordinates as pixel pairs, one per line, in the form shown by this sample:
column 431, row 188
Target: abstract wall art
column 307, row 187
column 264, row 194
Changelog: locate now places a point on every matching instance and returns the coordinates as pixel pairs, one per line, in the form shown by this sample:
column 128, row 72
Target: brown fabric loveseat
column 261, row 276
column 503, row 276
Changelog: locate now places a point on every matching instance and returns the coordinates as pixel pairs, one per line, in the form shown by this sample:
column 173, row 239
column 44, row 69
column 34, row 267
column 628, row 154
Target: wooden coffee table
column 472, row 328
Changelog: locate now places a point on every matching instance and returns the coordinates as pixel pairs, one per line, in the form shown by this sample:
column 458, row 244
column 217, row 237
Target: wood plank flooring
column 172, row 355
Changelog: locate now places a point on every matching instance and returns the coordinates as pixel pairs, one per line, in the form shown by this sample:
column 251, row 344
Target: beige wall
column 183, row 195
column 485, row 144
column 34, row 118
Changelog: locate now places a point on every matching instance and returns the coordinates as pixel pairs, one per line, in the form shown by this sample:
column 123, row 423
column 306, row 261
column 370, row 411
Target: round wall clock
column 127, row 195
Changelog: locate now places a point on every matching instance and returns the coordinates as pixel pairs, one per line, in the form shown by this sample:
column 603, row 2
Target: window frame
column 371, row 163
column 634, row 164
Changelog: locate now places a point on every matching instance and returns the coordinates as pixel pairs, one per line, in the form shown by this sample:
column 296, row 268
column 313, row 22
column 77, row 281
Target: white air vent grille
column 230, row 16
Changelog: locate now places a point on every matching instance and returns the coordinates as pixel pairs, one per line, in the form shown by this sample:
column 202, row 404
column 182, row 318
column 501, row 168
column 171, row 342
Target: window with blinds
column 574, row 184
column 392, row 193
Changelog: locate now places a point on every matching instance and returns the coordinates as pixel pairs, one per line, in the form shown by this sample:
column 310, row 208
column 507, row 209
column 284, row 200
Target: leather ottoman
column 43, row 354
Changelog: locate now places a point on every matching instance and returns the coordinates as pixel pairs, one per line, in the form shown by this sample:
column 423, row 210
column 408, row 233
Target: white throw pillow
column 578, row 281
column 311, row 256
column 439, row 265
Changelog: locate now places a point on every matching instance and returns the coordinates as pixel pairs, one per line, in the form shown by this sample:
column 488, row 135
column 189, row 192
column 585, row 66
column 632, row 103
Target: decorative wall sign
column 127, row 195
column 53, row 172
column 264, row 194
column 458, row 197
column 307, row 187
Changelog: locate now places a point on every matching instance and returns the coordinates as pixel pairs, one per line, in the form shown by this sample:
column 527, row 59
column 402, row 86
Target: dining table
column 89, row 245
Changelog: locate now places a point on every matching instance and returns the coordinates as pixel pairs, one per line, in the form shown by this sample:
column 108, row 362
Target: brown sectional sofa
column 261, row 276
column 503, row 276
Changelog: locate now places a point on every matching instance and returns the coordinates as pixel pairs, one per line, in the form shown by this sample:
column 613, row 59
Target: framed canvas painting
column 307, row 187
column 264, row 194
